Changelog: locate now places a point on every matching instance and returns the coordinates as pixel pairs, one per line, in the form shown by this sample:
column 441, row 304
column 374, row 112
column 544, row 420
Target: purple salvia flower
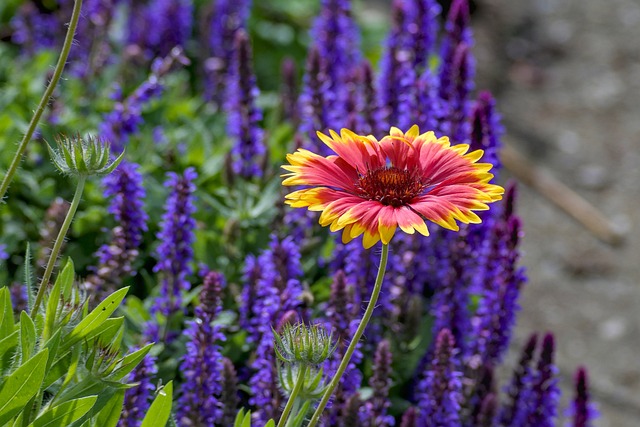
column 315, row 101
column 450, row 302
column 517, row 388
column 159, row 26
column 487, row 414
column 335, row 36
column 341, row 314
column 372, row 113
column 229, row 398
column 410, row 417
column 423, row 30
column 227, row 18
column 278, row 291
column 124, row 188
column 427, row 106
column 176, row 237
column 352, row 414
column 126, row 117
column 137, row 399
column 582, row 411
column 380, row 383
column 243, row 115
column 500, row 282
column 440, row 392
column 397, row 74
column 288, row 92
column 34, row 30
column 545, row 392
column 456, row 73
column 249, row 296
column 202, row 365
column 19, row 297
column 486, row 129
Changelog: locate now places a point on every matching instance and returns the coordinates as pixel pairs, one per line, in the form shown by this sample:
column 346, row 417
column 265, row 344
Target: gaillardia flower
column 373, row 187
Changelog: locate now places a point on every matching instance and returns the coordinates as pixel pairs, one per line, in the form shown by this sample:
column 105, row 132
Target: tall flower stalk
column 57, row 72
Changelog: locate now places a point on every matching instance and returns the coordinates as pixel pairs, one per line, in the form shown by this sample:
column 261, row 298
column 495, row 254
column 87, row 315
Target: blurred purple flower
column 581, row 410
column 176, row 236
column 137, row 398
column 243, row 115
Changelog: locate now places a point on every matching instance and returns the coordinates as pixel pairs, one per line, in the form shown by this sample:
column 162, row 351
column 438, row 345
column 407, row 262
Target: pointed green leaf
column 28, row 276
column 66, row 279
column 19, row 387
column 65, row 413
column 270, row 423
column 129, row 362
column 301, row 416
column 7, row 326
column 95, row 319
column 109, row 415
column 51, row 310
column 160, row 409
column 27, row 335
column 6, row 344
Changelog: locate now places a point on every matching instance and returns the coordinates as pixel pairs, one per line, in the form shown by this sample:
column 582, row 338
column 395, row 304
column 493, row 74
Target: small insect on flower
column 372, row 187
column 83, row 156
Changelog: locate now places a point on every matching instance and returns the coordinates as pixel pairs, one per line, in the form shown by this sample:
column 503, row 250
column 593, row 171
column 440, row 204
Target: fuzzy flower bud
column 83, row 157
column 307, row 345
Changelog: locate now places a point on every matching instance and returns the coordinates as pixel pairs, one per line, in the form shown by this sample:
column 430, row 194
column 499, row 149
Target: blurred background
column 566, row 74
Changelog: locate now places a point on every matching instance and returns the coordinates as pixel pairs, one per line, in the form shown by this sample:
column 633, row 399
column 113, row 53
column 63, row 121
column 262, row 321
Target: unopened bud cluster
column 83, row 156
column 302, row 344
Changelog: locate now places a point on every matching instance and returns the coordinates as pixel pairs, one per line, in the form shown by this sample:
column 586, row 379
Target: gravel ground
column 567, row 77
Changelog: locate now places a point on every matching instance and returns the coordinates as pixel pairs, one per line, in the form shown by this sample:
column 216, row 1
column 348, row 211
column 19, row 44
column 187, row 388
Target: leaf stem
column 292, row 397
column 57, row 72
column 58, row 244
column 356, row 337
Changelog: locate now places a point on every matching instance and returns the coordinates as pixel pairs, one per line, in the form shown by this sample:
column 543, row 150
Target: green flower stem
column 295, row 410
column 57, row 72
column 356, row 337
column 58, row 244
column 292, row 397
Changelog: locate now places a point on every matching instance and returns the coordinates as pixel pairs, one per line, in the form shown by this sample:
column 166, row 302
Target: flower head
column 373, row 187
column 80, row 156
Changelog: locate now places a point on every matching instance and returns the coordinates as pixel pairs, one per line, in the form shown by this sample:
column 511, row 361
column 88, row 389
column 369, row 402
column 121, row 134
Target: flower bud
column 83, row 156
column 299, row 343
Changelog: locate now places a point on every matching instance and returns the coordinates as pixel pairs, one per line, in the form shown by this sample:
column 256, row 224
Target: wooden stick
column 563, row 197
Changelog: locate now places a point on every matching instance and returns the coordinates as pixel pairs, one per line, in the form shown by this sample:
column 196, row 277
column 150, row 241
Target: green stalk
column 296, row 408
column 292, row 397
column 57, row 72
column 58, row 244
column 356, row 337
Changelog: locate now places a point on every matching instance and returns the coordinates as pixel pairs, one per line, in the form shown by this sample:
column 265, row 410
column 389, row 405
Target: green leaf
column 301, row 416
column 65, row 413
column 160, row 409
column 110, row 414
column 7, row 326
column 8, row 343
column 110, row 333
column 19, row 387
column 270, row 423
column 51, row 310
column 27, row 335
column 95, row 319
column 129, row 362
column 242, row 419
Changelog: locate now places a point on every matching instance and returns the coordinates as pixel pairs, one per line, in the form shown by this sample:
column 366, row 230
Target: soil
column 566, row 74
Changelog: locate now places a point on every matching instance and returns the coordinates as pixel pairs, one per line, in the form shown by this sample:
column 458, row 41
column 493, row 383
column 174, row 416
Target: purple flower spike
column 229, row 398
column 487, row 411
column 315, row 100
column 243, row 116
column 227, row 18
column 397, row 74
column 372, row 112
column 202, row 365
column 517, row 388
column 423, row 30
column 582, row 410
column 486, row 129
column 545, row 392
column 440, row 392
column 176, row 237
column 409, row 418
column 138, row 398
column 380, row 383
column 289, row 91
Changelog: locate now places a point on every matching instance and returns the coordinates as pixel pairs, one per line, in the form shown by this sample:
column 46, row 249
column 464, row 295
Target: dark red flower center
column 389, row 186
